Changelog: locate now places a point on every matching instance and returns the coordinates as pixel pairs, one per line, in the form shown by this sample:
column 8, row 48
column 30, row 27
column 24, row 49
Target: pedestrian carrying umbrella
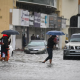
column 55, row 33
column 10, row 32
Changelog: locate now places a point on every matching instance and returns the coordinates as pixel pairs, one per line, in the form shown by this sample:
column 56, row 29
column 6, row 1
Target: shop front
column 29, row 23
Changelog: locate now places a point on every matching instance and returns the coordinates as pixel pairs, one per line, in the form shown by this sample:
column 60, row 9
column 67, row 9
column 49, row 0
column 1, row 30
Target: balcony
column 43, row 2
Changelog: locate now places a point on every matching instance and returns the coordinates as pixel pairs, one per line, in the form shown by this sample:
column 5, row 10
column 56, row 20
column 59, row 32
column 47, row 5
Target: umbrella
column 10, row 32
column 55, row 33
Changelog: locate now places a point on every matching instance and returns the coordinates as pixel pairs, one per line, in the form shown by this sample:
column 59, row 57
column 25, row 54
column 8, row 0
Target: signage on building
column 24, row 17
column 43, row 23
column 37, row 18
column 51, row 24
column 31, row 19
column 47, row 21
column 59, row 22
column 53, row 21
column 63, row 23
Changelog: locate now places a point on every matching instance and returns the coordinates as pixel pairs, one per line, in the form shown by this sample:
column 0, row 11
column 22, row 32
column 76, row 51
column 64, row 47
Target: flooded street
column 29, row 67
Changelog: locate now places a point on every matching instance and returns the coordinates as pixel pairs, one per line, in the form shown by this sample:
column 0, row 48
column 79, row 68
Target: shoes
column 43, row 62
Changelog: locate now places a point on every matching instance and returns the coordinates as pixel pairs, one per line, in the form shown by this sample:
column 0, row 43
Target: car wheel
column 64, row 57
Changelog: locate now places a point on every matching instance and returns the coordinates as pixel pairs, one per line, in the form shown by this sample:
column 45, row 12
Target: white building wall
column 69, row 8
column 13, row 37
column 16, row 17
column 18, row 44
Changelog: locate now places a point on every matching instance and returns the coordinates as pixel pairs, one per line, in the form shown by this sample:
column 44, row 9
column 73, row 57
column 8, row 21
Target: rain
column 33, row 30
column 22, row 66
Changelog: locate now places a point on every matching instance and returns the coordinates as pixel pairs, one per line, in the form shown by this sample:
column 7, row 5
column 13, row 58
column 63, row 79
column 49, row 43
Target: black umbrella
column 10, row 32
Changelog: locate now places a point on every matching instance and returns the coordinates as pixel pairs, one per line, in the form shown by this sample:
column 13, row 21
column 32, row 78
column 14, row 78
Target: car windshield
column 36, row 43
column 75, row 38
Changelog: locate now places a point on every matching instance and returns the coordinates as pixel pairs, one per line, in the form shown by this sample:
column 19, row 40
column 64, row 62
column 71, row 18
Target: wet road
column 29, row 67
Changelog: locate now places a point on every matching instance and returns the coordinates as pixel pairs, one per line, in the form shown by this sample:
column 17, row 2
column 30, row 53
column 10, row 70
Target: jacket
column 5, row 41
column 50, row 43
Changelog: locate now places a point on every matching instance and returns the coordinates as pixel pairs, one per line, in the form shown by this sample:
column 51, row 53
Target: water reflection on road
column 28, row 66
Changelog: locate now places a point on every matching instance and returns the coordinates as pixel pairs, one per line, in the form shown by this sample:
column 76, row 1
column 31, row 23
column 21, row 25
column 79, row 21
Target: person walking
column 23, row 41
column 5, row 47
column 50, row 45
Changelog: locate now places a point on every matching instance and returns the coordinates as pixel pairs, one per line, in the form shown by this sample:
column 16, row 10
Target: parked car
column 10, row 51
column 36, row 47
column 72, row 47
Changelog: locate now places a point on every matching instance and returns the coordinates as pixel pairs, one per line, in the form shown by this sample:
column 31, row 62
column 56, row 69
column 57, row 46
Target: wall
column 5, row 6
column 69, row 8
column 64, row 36
column 16, row 17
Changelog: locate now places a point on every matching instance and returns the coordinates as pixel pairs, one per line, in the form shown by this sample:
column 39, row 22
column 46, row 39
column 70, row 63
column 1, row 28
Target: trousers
column 50, row 54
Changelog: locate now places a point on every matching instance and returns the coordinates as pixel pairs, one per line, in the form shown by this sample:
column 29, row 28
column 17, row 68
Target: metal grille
column 32, row 50
column 72, row 47
column 72, row 51
column 77, row 47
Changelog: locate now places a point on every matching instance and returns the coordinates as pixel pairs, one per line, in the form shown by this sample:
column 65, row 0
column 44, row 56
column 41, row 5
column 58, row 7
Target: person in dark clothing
column 4, row 46
column 23, row 41
column 50, row 45
column 32, row 37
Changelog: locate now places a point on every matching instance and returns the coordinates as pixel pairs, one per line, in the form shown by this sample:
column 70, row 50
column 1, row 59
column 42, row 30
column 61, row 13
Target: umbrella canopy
column 10, row 32
column 55, row 33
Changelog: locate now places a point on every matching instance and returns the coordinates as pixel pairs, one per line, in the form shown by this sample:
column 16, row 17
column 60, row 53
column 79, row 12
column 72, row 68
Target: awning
column 32, row 3
column 36, row 6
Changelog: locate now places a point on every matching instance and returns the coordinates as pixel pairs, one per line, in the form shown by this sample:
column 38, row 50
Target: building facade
column 11, row 17
column 66, row 9
column 5, row 6
column 38, row 13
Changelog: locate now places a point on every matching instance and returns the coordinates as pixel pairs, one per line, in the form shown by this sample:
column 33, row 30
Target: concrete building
column 42, row 7
column 5, row 6
column 8, row 21
column 63, row 8
column 66, row 9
